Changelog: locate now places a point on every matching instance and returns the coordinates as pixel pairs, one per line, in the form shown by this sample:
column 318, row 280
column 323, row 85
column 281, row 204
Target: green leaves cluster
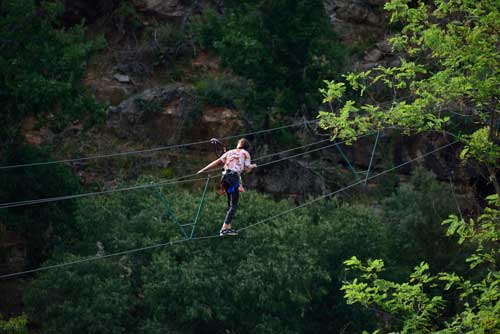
column 276, row 277
column 42, row 226
column 16, row 325
column 449, row 69
column 418, row 305
column 43, row 63
column 283, row 46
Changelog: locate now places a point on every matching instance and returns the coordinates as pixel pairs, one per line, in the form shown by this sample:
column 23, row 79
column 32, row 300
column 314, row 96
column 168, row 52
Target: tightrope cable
column 171, row 243
column 348, row 186
column 182, row 179
column 155, row 149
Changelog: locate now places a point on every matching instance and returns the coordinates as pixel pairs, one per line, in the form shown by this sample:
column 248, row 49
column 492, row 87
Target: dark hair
column 244, row 143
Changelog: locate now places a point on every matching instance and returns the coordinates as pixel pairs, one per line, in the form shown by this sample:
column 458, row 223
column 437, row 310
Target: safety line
column 240, row 230
column 290, row 150
column 156, row 149
column 307, row 152
column 143, row 186
column 311, row 144
column 97, row 193
column 89, row 259
column 348, row 186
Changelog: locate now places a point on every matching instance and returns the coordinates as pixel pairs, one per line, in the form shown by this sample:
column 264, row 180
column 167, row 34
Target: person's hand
column 250, row 168
column 200, row 171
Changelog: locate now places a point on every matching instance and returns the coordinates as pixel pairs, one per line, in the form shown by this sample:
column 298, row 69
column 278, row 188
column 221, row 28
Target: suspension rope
column 155, row 149
column 348, row 186
column 312, row 144
column 173, row 181
column 372, row 156
column 171, row 243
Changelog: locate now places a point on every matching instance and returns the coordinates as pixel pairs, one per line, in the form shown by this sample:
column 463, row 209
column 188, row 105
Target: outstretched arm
column 249, row 168
column 210, row 165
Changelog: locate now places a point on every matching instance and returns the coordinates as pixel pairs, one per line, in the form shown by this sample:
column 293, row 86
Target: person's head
column 243, row 143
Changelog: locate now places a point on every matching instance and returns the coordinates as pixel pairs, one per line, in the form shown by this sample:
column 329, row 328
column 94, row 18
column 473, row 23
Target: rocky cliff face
column 167, row 115
column 357, row 21
column 363, row 24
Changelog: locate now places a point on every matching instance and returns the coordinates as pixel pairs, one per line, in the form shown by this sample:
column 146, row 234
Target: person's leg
column 232, row 200
column 226, row 226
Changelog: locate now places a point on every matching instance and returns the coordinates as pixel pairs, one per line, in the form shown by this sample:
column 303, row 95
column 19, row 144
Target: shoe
column 228, row 231
column 231, row 232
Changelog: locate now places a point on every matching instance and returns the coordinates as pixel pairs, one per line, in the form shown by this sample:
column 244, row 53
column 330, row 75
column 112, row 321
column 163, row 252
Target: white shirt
column 236, row 160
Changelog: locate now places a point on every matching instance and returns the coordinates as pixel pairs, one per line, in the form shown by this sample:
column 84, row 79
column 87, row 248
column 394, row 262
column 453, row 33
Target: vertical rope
column 170, row 212
column 202, row 200
column 371, row 158
column 346, row 160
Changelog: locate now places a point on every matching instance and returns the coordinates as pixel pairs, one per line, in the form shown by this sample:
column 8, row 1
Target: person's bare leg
column 225, row 227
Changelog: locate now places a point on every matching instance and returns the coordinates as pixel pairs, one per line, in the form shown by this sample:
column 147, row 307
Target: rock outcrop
column 162, row 8
column 288, row 179
column 167, row 115
column 175, row 9
column 357, row 21
column 158, row 114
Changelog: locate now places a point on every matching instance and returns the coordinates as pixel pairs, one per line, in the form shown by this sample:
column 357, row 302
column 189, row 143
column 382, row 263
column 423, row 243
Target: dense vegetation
column 449, row 71
column 41, row 226
column 284, row 48
column 43, row 64
column 283, row 276
column 395, row 257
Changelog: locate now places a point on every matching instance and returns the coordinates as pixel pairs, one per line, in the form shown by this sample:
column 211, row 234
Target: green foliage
column 275, row 276
column 125, row 17
column 282, row 46
column 222, row 91
column 416, row 206
column 17, row 325
column 43, row 226
column 422, row 305
column 167, row 42
column 450, row 67
column 148, row 107
column 91, row 298
column 480, row 147
column 42, row 66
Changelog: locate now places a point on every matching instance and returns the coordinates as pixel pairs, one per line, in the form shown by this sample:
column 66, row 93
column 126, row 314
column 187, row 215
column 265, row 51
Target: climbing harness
column 232, row 186
column 217, row 144
column 182, row 227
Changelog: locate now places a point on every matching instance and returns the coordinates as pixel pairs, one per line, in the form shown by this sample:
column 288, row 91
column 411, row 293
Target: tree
column 449, row 72
column 283, row 46
column 43, row 64
column 273, row 277
column 450, row 68
column 16, row 325
column 424, row 304
column 416, row 206
column 43, row 226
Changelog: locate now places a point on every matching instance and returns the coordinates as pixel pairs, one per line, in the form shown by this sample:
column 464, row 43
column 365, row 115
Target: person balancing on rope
column 235, row 162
